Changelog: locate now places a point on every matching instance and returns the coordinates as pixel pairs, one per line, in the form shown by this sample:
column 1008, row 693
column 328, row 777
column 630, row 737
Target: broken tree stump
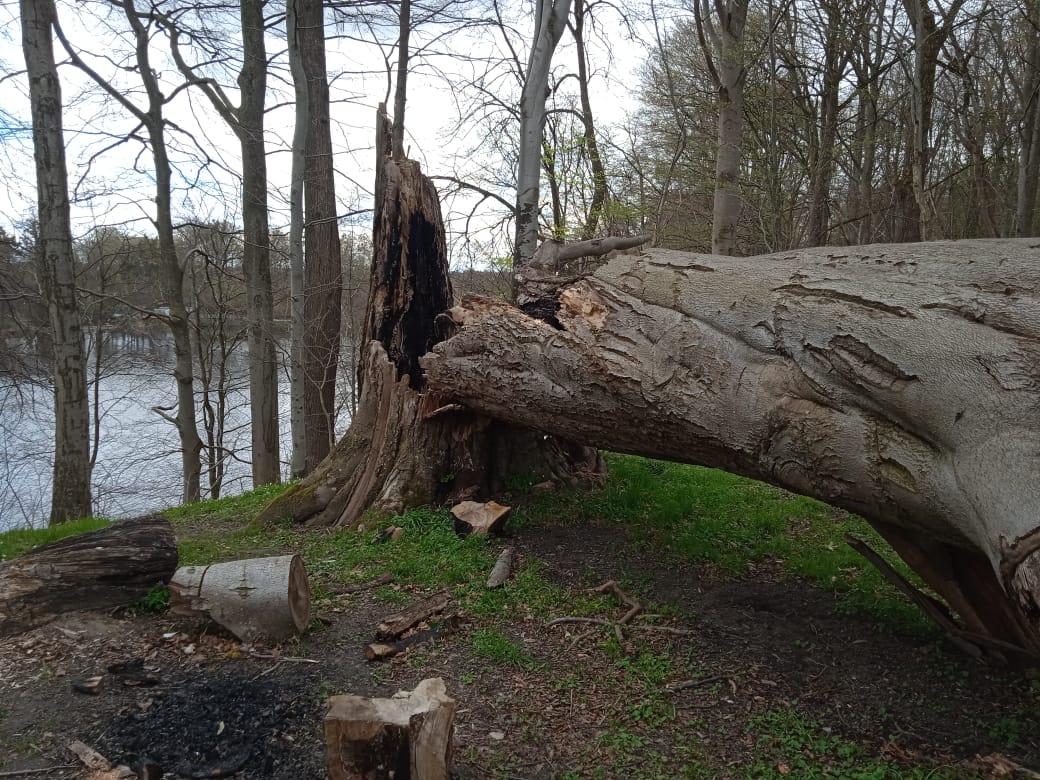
column 472, row 517
column 110, row 567
column 409, row 735
column 256, row 598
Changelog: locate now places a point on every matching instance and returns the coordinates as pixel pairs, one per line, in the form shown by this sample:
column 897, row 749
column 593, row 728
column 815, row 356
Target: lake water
column 137, row 468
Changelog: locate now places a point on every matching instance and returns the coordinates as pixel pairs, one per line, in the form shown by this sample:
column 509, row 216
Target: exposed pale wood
column 110, row 567
column 406, row 736
column 380, row 651
column 90, row 757
column 472, row 517
column 502, row 569
column 396, row 624
column 267, row 598
column 899, row 382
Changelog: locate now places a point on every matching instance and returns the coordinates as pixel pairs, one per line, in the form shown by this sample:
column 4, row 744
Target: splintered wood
column 409, row 735
column 472, row 517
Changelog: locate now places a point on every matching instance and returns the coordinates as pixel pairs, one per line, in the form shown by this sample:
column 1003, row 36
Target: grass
column 711, row 516
column 22, row 540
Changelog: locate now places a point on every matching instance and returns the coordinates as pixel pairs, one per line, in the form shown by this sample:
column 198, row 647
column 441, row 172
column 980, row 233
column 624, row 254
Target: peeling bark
column 898, row 382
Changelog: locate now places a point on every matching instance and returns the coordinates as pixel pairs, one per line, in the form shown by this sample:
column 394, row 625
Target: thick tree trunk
column 323, row 276
column 898, row 382
column 256, row 254
column 110, row 567
column 70, row 493
column 406, row 446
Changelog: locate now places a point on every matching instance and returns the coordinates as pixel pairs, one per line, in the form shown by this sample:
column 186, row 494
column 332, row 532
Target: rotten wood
column 256, row 598
column 380, row 651
column 409, row 735
column 502, row 569
column 111, row 567
column 394, row 625
column 91, row 758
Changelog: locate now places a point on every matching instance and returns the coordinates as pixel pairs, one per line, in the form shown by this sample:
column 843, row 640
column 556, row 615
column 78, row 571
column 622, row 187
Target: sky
column 110, row 181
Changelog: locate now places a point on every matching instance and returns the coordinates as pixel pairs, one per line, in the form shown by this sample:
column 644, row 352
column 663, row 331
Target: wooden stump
column 472, row 517
column 408, row 736
column 110, row 567
column 257, row 598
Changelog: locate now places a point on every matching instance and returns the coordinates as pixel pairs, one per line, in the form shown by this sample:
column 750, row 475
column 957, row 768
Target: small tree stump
column 253, row 598
column 110, row 567
column 409, row 735
column 472, row 517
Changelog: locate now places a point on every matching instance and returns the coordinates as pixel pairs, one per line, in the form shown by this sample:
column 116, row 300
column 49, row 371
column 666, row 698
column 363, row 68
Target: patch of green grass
column 242, row 507
column 715, row 517
column 496, row 647
column 216, row 544
column 792, row 745
column 154, row 602
column 22, row 540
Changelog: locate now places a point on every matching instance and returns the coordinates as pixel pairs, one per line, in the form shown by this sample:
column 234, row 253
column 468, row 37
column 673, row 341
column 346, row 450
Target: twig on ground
column 687, row 684
column 382, row 579
column 634, row 610
column 289, row 658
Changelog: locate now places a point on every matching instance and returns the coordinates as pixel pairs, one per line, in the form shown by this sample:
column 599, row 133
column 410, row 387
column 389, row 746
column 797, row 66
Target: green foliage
column 714, row 517
column 794, row 746
column 154, row 602
column 242, row 507
column 22, row 540
column 492, row 644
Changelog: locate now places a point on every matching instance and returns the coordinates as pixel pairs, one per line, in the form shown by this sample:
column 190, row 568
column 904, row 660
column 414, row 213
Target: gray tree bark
column 323, row 276
column 550, row 22
column 298, row 460
column 153, row 120
column 70, row 492
column 247, row 122
column 899, row 382
column 722, row 40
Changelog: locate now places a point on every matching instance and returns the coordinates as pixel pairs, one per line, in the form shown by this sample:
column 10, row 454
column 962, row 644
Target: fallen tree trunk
column 901, row 382
column 110, row 567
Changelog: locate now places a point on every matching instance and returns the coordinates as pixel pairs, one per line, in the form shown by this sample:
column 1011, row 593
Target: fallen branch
column 44, row 770
column 634, row 607
column 687, row 684
column 380, row 651
column 91, row 758
column 395, row 625
column 502, row 569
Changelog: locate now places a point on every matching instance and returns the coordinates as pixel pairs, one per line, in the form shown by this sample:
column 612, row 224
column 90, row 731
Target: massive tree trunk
column 405, row 446
column 898, row 382
column 70, row 493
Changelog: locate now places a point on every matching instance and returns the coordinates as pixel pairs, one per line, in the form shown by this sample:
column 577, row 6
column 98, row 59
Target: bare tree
column 70, row 495
column 721, row 34
column 152, row 118
column 247, row 121
column 549, row 24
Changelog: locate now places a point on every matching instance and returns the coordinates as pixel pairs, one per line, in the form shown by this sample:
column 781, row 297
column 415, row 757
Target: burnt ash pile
column 222, row 723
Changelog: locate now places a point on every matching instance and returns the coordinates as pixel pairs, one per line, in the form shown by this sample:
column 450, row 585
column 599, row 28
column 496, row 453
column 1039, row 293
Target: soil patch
column 771, row 676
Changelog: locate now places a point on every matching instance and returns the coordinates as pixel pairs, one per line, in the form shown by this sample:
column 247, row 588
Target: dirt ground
column 783, row 679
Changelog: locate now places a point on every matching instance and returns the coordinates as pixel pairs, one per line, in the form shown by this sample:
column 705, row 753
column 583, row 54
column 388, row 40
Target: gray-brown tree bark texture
column 550, row 22
column 323, row 282
column 113, row 566
column 152, row 118
column 70, row 495
column 721, row 33
column 900, row 382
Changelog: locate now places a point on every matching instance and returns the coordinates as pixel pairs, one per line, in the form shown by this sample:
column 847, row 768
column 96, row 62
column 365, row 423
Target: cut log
column 480, row 519
column 113, row 566
column 393, row 626
column 900, row 382
column 502, row 569
column 409, row 735
column 380, row 651
column 258, row 598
